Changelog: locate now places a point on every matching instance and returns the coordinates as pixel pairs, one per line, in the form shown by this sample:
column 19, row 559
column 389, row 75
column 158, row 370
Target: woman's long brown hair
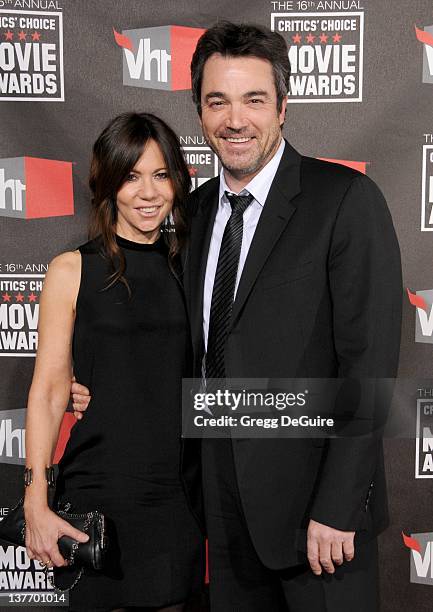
column 115, row 153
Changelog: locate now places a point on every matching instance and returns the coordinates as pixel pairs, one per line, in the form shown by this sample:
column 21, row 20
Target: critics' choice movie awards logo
column 19, row 313
column 202, row 161
column 427, row 186
column 421, row 557
column 422, row 301
column 32, row 188
column 425, row 37
column 158, row 58
column 424, row 438
column 326, row 55
column 31, row 56
column 20, row 573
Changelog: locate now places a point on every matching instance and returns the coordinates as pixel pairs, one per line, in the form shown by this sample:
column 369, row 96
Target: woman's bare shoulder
column 67, row 261
column 64, row 273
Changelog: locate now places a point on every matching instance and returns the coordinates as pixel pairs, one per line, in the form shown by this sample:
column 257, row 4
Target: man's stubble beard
column 256, row 164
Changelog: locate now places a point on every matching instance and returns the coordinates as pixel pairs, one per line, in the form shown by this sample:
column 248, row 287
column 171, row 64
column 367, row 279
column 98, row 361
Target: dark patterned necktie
column 224, row 286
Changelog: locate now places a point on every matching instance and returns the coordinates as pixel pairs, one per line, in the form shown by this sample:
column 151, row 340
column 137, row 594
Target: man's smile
column 237, row 139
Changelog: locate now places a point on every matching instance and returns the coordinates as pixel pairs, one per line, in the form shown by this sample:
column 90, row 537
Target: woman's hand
column 43, row 529
column 80, row 396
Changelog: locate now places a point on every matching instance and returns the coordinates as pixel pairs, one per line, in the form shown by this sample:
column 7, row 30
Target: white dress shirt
column 259, row 188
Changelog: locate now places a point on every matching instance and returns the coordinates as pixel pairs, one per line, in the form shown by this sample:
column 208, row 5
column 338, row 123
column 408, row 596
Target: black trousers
column 240, row 582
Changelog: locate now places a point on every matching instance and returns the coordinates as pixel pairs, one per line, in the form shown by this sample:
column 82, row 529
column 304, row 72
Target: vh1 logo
column 158, row 58
column 421, row 558
column 32, row 188
column 425, row 37
column 423, row 302
column 12, row 436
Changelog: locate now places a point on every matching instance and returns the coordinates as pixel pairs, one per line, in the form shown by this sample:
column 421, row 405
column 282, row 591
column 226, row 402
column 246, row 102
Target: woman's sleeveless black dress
column 123, row 457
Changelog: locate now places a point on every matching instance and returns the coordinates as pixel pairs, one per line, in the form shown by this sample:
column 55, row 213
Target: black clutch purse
column 79, row 555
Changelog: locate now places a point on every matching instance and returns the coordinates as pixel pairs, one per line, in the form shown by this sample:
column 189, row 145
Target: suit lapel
column 276, row 214
column 201, row 233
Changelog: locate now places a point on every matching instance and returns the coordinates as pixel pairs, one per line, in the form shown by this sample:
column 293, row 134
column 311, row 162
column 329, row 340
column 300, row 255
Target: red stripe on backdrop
column 65, row 429
column 183, row 44
column 356, row 165
column 49, row 188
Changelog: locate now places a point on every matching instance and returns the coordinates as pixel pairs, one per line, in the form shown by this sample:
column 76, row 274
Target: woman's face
column 145, row 198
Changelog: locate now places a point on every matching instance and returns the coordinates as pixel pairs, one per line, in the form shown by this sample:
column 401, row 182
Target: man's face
column 239, row 117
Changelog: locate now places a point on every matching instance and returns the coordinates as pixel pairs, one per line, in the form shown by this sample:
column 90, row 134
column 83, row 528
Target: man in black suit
column 317, row 293
column 293, row 271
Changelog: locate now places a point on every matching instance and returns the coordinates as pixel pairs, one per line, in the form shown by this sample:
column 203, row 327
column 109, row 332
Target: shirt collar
column 260, row 185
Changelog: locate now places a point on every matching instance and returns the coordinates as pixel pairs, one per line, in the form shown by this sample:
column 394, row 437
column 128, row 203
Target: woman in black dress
column 114, row 311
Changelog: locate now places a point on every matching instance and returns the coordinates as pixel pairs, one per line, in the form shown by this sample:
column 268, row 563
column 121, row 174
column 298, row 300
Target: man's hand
column 80, row 398
column 327, row 546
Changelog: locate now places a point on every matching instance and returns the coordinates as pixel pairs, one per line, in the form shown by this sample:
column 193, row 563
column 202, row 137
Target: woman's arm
column 48, row 399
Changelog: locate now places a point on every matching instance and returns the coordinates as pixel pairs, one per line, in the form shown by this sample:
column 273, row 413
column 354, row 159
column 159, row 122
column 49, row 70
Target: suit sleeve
column 366, row 289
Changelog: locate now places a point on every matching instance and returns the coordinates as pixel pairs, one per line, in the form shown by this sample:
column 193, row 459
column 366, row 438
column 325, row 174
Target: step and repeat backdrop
column 361, row 93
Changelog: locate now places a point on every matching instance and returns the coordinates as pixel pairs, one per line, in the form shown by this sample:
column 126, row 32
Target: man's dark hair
column 241, row 40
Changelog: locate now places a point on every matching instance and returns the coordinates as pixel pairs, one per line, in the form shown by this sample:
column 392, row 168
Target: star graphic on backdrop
column 9, row 35
column 19, row 297
column 32, row 297
column 192, row 171
column 310, row 38
column 36, row 36
column 6, row 297
column 323, row 38
column 297, row 38
column 22, row 35
column 337, row 37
